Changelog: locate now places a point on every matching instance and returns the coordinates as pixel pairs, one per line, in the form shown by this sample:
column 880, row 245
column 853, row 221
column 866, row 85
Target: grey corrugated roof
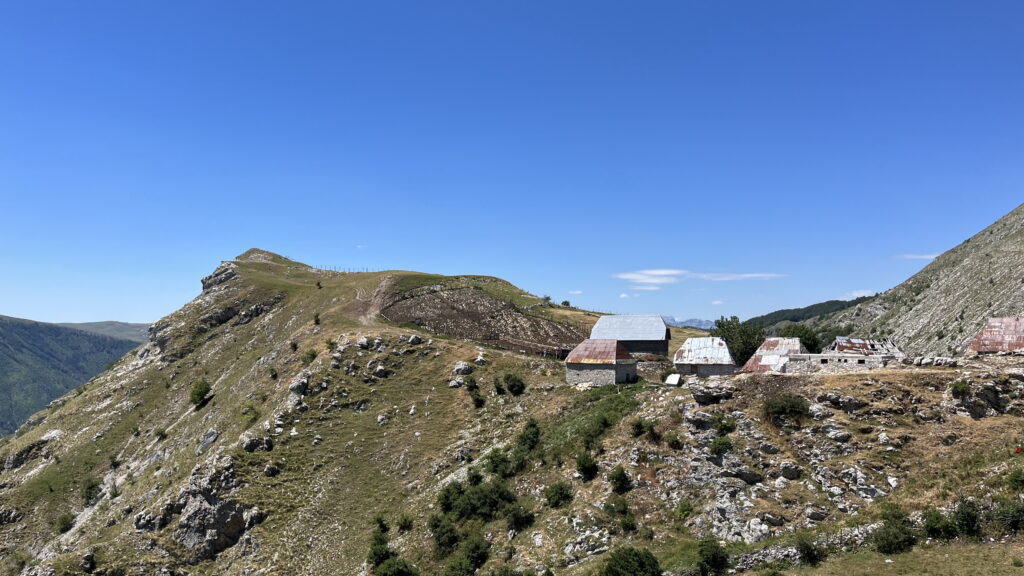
column 629, row 328
column 705, row 350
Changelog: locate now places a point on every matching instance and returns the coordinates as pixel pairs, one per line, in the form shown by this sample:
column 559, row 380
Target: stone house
column 703, row 357
column 774, row 354
column 639, row 334
column 847, row 354
column 599, row 363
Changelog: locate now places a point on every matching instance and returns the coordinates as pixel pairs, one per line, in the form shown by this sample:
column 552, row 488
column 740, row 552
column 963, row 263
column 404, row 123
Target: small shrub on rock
column 896, row 534
column 967, row 518
column 620, row 480
column 586, row 466
column 712, row 559
column 629, row 561
column 810, row 553
column 558, row 494
column 937, row 525
column 785, row 405
column 719, row 446
column 199, row 392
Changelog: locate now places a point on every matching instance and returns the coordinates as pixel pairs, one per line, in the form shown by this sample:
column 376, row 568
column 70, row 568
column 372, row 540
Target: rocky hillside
column 120, row 330
column 939, row 310
column 39, row 362
column 282, row 423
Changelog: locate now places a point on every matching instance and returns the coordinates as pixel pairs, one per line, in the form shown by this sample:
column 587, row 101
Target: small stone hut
column 703, row 357
column 1000, row 336
column 639, row 334
column 774, row 354
column 598, row 363
column 847, row 354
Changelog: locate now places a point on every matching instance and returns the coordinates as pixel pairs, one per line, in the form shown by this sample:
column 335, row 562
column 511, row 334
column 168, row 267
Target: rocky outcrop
column 209, row 521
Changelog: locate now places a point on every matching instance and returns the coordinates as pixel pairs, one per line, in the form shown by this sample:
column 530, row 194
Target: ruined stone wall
column 705, row 370
column 834, row 363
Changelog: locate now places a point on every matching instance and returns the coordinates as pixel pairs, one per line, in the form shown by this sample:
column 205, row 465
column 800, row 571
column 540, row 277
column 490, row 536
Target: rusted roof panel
column 706, row 350
column 599, row 351
column 629, row 328
column 773, row 355
column 1000, row 335
column 864, row 347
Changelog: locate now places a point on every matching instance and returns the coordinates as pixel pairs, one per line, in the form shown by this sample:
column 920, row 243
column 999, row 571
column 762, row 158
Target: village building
column 600, row 363
column 1000, row 336
column 847, row 354
column 639, row 334
column 703, row 357
column 773, row 355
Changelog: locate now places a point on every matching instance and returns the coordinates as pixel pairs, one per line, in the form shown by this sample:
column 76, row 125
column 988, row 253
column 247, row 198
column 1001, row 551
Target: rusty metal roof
column 773, row 355
column 599, row 351
column 1000, row 335
column 864, row 347
column 630, row 328
column 705, row 350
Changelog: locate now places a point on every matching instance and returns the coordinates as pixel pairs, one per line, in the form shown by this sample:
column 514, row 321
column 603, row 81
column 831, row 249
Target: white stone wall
column 599, row 374
column 834, row 364
column 705, row 370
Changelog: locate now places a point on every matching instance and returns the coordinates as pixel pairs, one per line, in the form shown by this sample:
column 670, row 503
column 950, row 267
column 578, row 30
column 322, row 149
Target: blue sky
column 683, row 158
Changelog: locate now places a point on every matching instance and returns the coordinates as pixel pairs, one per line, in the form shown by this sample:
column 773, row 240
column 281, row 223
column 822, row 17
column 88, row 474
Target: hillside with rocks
column 939, row 310
column 291, row 420
column 40, row 361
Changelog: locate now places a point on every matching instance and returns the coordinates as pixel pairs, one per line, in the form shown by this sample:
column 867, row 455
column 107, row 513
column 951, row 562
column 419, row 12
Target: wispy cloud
column 671, row 276
column 575, row 292
column 917, row 256
column 858, row 294
column 717, row 302
column 623, row 295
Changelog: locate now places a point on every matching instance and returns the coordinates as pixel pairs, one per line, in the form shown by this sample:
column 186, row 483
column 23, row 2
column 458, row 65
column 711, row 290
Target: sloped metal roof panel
column 773, row 355
column 629, row 328
column 706, row 350
column 603, row 351
column 864, row 347
column 1000, row 335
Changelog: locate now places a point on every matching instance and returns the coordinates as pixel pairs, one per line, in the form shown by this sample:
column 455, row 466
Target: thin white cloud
column 647, row 288
column 717, row 302
column 671, row 276
column 575, row 292
column 623, row 295
column 858, row 294
column 917, row 256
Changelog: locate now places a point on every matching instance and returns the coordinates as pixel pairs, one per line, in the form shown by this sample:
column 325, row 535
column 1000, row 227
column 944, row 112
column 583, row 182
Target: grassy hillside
column 119, row 330
column 40, row 362
column 323, row 420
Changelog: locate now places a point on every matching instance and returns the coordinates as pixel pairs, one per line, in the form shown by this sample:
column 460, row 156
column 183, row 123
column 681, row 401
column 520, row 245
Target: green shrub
column 967, row 519
column 273, row 373
column 309, row 356
column 619, row 480
column 446, row 535
column 586, row 466
column 395, row 567
column 1015, row 480
column 382, row 523
column 675, row 442
column 616, row 506
column 199, row 392
column 629, row 561
column 683, row 510
column 937, row 525
column 331, row 343
column 476, row 549
column 1009, row 515
column 960, row 389
column 518, row 516
column 293, row 345
column 459, row 565
column 723, row 424
column 316, row 318
column 530, row 436
column 514, row 384
column 558, row 494
column 896, row 534
column 90, row 491
column 160, row 433
column 712, row 559
column 810, row 553
column 628, row 522
column 405, row 523
column 65, row 522
column 379, row 550
column 785, row 405
column 719, row 446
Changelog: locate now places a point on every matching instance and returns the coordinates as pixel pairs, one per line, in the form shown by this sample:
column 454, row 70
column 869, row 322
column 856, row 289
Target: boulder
column 790, row 471
column 462, row 368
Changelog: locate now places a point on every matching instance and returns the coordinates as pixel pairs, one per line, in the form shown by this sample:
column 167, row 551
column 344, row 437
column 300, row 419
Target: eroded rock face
column 226, row 271
column 30, row 452
column 209, row 522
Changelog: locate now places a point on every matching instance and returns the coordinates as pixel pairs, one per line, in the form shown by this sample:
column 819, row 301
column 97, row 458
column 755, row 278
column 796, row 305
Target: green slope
column 120, row 330
column 40, row 362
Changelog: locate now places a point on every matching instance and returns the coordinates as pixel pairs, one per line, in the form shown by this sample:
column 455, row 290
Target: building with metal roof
column 703, row 357
column 864, row 347
column 639, row 334
column 847, row 354
column 999, row 336
column 774, row 354
column 599, row 362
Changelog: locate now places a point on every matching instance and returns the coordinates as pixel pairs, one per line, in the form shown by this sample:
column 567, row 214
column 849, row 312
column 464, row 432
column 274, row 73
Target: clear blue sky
column 569, row 147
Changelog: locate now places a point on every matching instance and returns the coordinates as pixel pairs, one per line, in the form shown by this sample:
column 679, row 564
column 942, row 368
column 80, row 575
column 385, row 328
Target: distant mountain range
column 40, row 362
column 689, row 323
column 120, row 330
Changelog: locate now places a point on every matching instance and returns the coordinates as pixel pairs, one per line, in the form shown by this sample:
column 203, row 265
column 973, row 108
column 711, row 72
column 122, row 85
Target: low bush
column 619, row 480
column 896, row 534
column 785, row 405
column 309, row 356
column 65, row 522
column 960, row 389
column 810, row 553
column 712, row 559
column 446, row 535
column 723, row 424
column 629, row 561
column 719, row 446
column 967, row 519
column 1015, row 480
column 514, row 384
column 586, row 466
column 200, row 389
column 558, row 494
column 1009, row 515
column 937, row 525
